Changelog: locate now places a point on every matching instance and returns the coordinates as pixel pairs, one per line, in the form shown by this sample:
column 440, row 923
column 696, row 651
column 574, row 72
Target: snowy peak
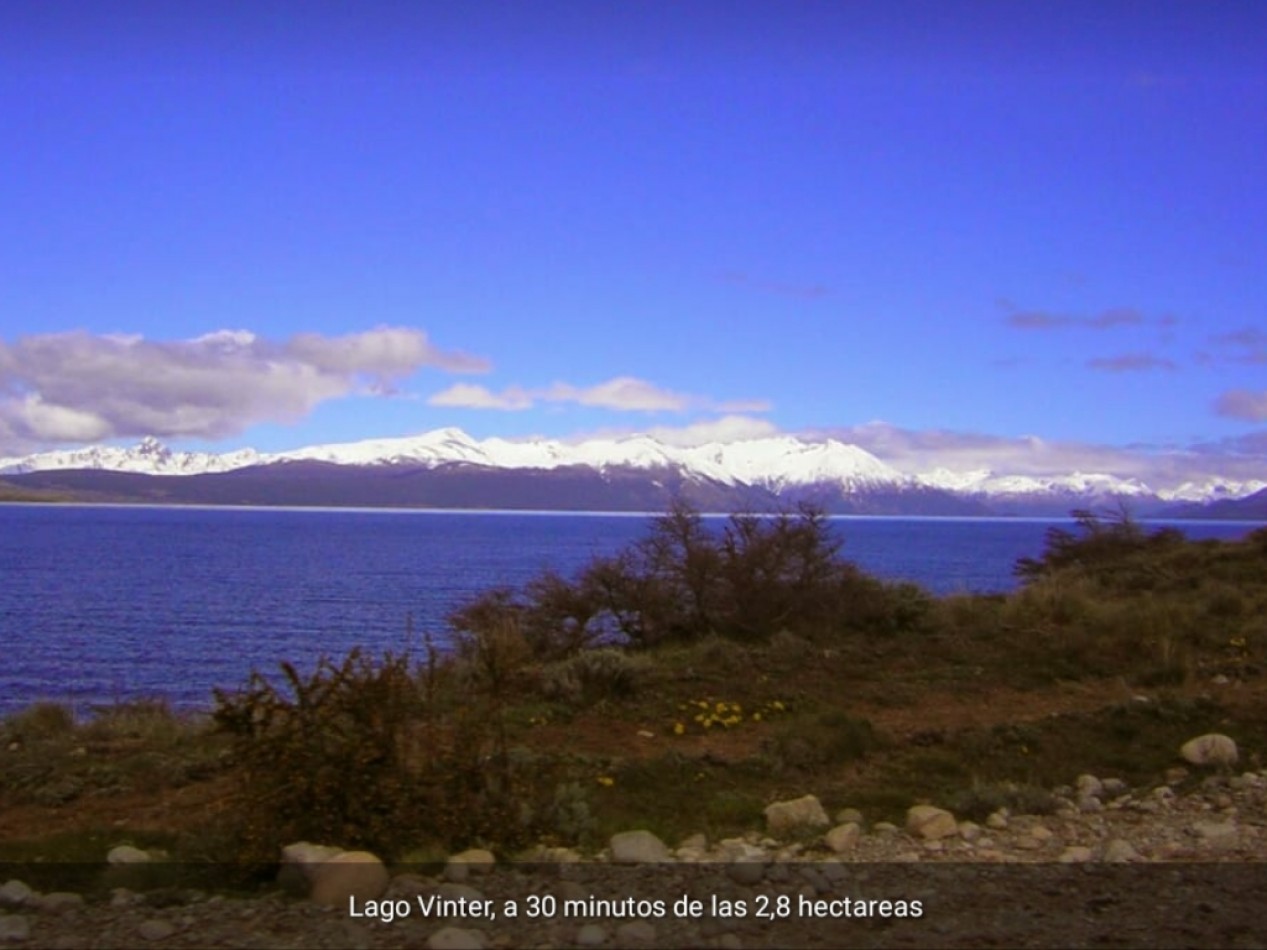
column 148, row 457
column 776, row 464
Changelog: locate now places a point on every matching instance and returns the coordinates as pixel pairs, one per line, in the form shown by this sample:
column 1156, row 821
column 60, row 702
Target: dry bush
column 365, row 754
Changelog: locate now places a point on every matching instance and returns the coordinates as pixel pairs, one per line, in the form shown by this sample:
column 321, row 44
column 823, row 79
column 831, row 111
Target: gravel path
column 1142, row 869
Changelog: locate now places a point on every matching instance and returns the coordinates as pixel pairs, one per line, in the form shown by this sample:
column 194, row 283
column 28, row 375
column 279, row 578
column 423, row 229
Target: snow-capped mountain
column 773, row 463
column 624, row 471
column 149, row 457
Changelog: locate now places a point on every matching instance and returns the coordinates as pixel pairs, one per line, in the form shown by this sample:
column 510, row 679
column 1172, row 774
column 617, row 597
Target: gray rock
column 472, row 861
column 15, row 893
column 638, row 847
column 457, row 938
column 1113, row 787
column 14, row 927
column 1210, row 749
column 126, row 854
column 1089, row 786
column 58, row 901
column 156, row 930
column 1219, row 835
column 849, row 816
column 930, row 822
column 591, row 935
column 795, row 814
column 1075, row 854
column 1120, row 851
column 356, row 874
column 746, row 873
column 843, row 838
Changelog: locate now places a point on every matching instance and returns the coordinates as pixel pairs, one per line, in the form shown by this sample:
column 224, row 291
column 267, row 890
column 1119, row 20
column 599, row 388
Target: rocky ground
column 1112, row 867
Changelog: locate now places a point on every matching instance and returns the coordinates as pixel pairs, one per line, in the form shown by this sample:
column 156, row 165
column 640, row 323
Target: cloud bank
column 620, row 394
column 1162, row 467
column 82, row 387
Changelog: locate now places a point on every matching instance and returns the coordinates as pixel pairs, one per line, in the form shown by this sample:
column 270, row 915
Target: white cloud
column 732, row 428
column 916, row 451
column 472, row 396
column 80, row 387
column 623, row 394
column 620, row 394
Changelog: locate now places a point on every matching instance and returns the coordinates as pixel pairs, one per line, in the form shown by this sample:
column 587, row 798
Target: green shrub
column 594, row 675
column 828, row 739
column 41, row 720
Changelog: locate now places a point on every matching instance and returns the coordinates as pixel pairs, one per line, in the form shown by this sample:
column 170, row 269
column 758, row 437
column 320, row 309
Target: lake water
column 108, row 603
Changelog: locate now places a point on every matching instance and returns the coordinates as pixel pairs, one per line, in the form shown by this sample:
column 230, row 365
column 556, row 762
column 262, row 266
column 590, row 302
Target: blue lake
column 106, row 603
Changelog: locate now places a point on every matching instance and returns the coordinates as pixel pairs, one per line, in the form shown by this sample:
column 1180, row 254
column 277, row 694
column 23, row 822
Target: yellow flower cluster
column 709, row 713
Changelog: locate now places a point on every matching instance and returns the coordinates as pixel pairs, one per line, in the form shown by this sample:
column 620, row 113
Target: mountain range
column 447, row 468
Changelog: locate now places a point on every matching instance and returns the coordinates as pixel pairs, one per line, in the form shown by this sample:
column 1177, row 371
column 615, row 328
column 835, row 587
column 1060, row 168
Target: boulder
column 638, row 847
column 356, row 874
column 843, row 837
column 1120, row 851
column 1210, row 749
column 16, row 893
column 126, row 854
column 473, row 861
column 795, row 814
column 14, row 927
column 300, row 865
column 930, row 822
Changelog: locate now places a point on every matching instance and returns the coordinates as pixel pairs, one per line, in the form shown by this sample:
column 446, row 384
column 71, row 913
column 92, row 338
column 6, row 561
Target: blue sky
column 947, row 224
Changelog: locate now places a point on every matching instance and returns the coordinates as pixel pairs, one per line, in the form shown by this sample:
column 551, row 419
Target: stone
column 849, row 816
column 1120, row 851
column 459, row 892
column 58, row 901
column 746, row 873
column 695, row 842
column 126, row 854
column 885, row 828
column 1088, row 786
column 156, row 930
column 1216, row 834
column 472, row 861
column 457, row 938
column 635, row 933
column 638, row 847
column 15, row 893
column 969, row 830
column 1113, row 787
column 930, row 822
column 356, row 874
column 14, row 927
column 843, row 838
column 591, row 935
column 795, row 814
column 1210, row 749
column 997, row 820
column 1075, row 854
